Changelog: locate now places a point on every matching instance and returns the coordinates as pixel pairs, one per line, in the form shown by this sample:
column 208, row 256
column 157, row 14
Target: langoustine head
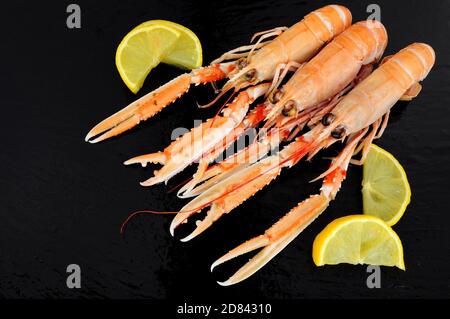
column 297, row 44
column 332, row 70
column 376, row 95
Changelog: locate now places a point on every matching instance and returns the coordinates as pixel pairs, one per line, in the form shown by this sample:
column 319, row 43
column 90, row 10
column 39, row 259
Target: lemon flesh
column 385, row 188
column 358, row 239
column 187, row 51
column 141, row 50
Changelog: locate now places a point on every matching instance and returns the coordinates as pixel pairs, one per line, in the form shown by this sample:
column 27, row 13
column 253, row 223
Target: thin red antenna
column 202, row 106
column 179, row 185
column 139, row 212
column 222, row 107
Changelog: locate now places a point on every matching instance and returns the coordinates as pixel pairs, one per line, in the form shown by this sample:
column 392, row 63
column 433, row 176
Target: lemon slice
column 385, row 187
column 358, row 239
column 187, row 51
column 141, row 50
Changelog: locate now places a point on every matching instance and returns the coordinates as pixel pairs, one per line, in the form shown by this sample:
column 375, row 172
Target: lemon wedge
column 187, row 51
column 358, row 239
column 385, row 188
column 141, row 50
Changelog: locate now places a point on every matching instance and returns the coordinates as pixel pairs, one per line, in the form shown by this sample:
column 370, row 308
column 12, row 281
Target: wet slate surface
column 63, row 200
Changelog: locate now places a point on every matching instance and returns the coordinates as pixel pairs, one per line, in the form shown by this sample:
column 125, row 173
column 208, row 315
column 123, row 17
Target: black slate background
column 62, row 200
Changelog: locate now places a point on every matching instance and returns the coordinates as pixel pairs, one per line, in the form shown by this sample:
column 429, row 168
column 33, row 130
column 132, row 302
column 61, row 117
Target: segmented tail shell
column 375, row 95
column 365, row 40
column 299, row 43
column 411, row 64
column 329, row 21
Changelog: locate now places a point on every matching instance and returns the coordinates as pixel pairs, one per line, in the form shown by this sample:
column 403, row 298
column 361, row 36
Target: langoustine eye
column 250, row 75
column 290, row 108
column 242, row 63
column 339, row 131
column 276, row 96
column 328, row 118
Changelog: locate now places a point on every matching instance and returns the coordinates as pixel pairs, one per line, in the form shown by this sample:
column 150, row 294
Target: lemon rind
column 407, row 199
column 134, row 87
column 329, row 232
